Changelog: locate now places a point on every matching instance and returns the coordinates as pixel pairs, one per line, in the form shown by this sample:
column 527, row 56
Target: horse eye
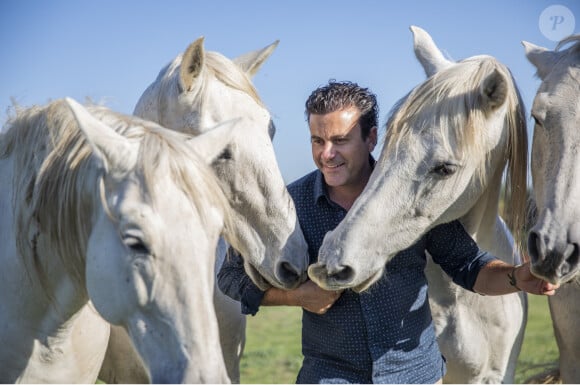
column 226, row 154
column 536, row 120
column 136, row 245
column 271, row 130
column 444, row 170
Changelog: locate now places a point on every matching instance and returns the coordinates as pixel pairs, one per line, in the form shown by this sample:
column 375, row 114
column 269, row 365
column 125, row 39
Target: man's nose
column 329, row 151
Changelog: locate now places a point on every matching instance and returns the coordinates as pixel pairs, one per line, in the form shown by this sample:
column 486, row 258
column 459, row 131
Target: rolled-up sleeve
column 233, row 281
column 457, row 253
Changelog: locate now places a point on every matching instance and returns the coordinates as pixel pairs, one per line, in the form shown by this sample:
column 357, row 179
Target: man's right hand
column 308, row 295
column 314, row 299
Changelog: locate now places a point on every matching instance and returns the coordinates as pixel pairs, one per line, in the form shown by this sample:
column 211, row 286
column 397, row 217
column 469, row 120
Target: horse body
column 480, row 336
column 90, row 238
column 448, row 143
column 554, row 240
column 195, row 91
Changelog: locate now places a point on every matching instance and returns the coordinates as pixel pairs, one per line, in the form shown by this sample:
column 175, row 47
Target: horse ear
column 252, row 61
column 110, row 148
column 542, row 58
column 191, row 64
column 427, row 52
column 214, row 142
column 494, row 90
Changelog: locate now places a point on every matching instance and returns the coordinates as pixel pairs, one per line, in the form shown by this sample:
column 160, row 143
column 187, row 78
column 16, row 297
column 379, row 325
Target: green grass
column 273, row 346
column 539, row 352
column 273, row 356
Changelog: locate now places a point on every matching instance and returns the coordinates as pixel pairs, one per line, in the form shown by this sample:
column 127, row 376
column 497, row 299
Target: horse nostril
column 572, row 259
column 533, row 247
column 343, row 274
column 287, row 272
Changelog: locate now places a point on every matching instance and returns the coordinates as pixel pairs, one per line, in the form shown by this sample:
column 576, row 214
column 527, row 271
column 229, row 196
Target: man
column 386, row 334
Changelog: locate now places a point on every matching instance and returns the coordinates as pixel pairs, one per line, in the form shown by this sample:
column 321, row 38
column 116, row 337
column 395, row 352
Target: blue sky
column 111, row 50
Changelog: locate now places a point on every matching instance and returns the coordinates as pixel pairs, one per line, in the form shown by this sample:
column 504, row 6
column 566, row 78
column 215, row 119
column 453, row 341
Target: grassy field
column 273, row 356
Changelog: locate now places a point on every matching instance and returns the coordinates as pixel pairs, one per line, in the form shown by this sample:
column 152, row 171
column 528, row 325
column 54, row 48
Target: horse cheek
column 106, row 277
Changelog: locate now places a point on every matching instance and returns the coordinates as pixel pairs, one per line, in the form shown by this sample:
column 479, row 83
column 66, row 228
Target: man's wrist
column 513, row 281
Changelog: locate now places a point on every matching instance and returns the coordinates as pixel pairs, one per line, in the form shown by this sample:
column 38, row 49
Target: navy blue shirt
column 385, row 334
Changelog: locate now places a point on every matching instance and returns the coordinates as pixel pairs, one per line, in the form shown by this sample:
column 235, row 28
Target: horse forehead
column 150, row 207
column 559, row 94
column 223, row 98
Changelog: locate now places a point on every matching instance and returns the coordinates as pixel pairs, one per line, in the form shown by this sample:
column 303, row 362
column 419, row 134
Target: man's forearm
column 498, row 278
column 278, row 297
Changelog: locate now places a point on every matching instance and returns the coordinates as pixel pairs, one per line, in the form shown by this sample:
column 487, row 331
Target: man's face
column 338, row 149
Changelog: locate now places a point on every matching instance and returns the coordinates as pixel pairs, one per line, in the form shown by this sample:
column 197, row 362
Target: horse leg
column 231, row 321
column 232, row 327
column 565, row 314
column 479, row 336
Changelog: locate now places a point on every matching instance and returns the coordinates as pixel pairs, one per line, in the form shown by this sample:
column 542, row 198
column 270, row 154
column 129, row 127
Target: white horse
column 554, row 241
column 447, row 145
column 107, row 218
column 196, row 90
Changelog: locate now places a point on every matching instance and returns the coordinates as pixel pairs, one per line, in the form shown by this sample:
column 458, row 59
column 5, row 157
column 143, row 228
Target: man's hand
column 529, row 283
column 308, row 296
column 314, row 299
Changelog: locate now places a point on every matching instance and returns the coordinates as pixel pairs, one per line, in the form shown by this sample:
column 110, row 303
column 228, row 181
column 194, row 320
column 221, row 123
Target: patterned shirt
column 385, row 334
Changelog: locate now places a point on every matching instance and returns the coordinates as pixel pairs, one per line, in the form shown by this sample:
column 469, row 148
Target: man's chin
column 333, row 179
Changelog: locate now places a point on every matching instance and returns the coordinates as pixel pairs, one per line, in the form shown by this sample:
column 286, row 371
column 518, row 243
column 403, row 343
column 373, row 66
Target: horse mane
column 215, row 64
column 230, row 74
column 454, row 93
column 56, row 182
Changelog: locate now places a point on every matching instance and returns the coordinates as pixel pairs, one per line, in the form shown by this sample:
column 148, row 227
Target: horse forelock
column 164, row 152
column 449, row 100
column 232, row 75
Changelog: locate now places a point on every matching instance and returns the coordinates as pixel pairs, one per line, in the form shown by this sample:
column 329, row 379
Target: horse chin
column 554, row 278
column 319, row 275
column 365, row 285
column 257, row 278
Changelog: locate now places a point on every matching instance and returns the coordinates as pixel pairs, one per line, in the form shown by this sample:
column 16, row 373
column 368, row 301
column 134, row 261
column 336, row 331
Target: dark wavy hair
column 338, row 95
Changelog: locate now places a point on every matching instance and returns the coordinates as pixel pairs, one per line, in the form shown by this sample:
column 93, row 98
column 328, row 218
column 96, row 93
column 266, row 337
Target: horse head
column 447, row 142
column 554, row 240
column 200, row 89
column 150, row 252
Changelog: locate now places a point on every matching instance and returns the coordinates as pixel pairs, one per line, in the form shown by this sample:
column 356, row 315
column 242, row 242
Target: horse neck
column 484, row 224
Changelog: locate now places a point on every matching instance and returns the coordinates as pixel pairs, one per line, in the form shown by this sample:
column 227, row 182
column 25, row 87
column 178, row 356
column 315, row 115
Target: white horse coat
column 103, row 217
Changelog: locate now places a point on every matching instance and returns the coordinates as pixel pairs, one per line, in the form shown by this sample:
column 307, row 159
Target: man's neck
column 347, row 194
